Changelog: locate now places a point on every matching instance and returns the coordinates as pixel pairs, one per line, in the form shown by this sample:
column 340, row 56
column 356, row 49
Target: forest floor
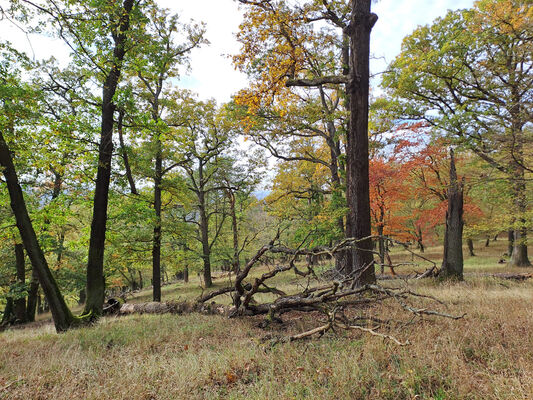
column 486, row 355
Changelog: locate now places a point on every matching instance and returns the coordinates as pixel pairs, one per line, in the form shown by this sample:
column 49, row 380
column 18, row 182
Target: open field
column 487, row 355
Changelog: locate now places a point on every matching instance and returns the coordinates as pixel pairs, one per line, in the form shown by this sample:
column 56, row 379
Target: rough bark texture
column 95, row 265
column 20, row 304
column 452, row 263
column 62, row 316
column 519, row 256
column 360, row 261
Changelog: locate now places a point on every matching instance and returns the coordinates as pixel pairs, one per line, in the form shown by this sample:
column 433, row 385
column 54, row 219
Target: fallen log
column 173, row 308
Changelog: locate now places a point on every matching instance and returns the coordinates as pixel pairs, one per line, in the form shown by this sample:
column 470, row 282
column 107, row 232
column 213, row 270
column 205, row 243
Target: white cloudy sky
column 212, row 74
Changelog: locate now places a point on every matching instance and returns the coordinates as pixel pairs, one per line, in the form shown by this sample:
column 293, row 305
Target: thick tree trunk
column 360, row 261
column 62, row 316
column 20, row 304
column 156, row 248
column 95, row 264
column 8, row 316
column 452, row 263
column 519, row 256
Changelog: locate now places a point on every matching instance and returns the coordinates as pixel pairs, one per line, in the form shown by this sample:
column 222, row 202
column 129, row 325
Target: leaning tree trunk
column 95, row 264
column 360, row 260
column 61, row 314
column 452, row 263
column 20, row 304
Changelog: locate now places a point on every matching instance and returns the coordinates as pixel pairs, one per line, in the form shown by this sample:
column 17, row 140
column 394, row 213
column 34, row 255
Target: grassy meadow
column 486, row 355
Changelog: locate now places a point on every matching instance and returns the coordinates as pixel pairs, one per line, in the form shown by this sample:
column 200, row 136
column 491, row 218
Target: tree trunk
column 124, row 153
column 95, row 264
column 7, row 317
column 510, row 242
column 487, row 242
column 236, row 267
column 452, row 263
column 470, row 245
column 519, row 256
column 156, row 248
column 360, row 260
column 186, row 275
column 33, row 294
column 381, row 247
column 206, row 251
column 20, row 304
column 62, row 316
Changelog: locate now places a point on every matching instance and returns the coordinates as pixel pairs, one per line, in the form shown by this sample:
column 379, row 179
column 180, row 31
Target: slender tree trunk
column 124, row 153
column 361, row 260
column 20, row 304
column 487, row 242
column 381, row 248
column 510, row 242
column 470, row 245
column 33, row 294
column 156, row 249
column 206, row 251
column 235, row 229
column 61, row 314
column 95, row 265
column 452, row 263
column 186, row 274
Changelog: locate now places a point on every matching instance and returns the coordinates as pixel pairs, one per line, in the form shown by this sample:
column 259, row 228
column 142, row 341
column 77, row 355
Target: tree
column 469, row 74
column 288, row 60
column 157, row 61
column 204, row 142
column 452, row 263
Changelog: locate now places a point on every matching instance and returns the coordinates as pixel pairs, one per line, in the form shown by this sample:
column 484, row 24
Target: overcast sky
column 212, row 74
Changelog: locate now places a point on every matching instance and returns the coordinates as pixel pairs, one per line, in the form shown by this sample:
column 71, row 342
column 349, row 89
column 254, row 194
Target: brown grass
column 487, row 355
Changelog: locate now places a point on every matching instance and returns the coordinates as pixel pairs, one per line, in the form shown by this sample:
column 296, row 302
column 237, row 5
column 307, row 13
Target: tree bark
column 510, row 242
column 7, row 317
column 452, row 263
column 20, row 304
column 235, row 229
column 33, row 294
column 470, row 245
column 95, row 265
column 360, row 260
column 156, row 248
column 519, row 256
column 61, row 314
column 124, row 153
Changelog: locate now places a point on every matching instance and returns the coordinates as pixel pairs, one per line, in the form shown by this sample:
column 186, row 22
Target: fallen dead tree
column 335, row 301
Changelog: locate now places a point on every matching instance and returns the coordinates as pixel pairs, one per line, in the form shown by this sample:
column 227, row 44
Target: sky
column 212, row 74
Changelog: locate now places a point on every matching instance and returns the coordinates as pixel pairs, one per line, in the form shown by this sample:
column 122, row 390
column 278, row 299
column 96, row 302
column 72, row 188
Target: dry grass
column 488, row 355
